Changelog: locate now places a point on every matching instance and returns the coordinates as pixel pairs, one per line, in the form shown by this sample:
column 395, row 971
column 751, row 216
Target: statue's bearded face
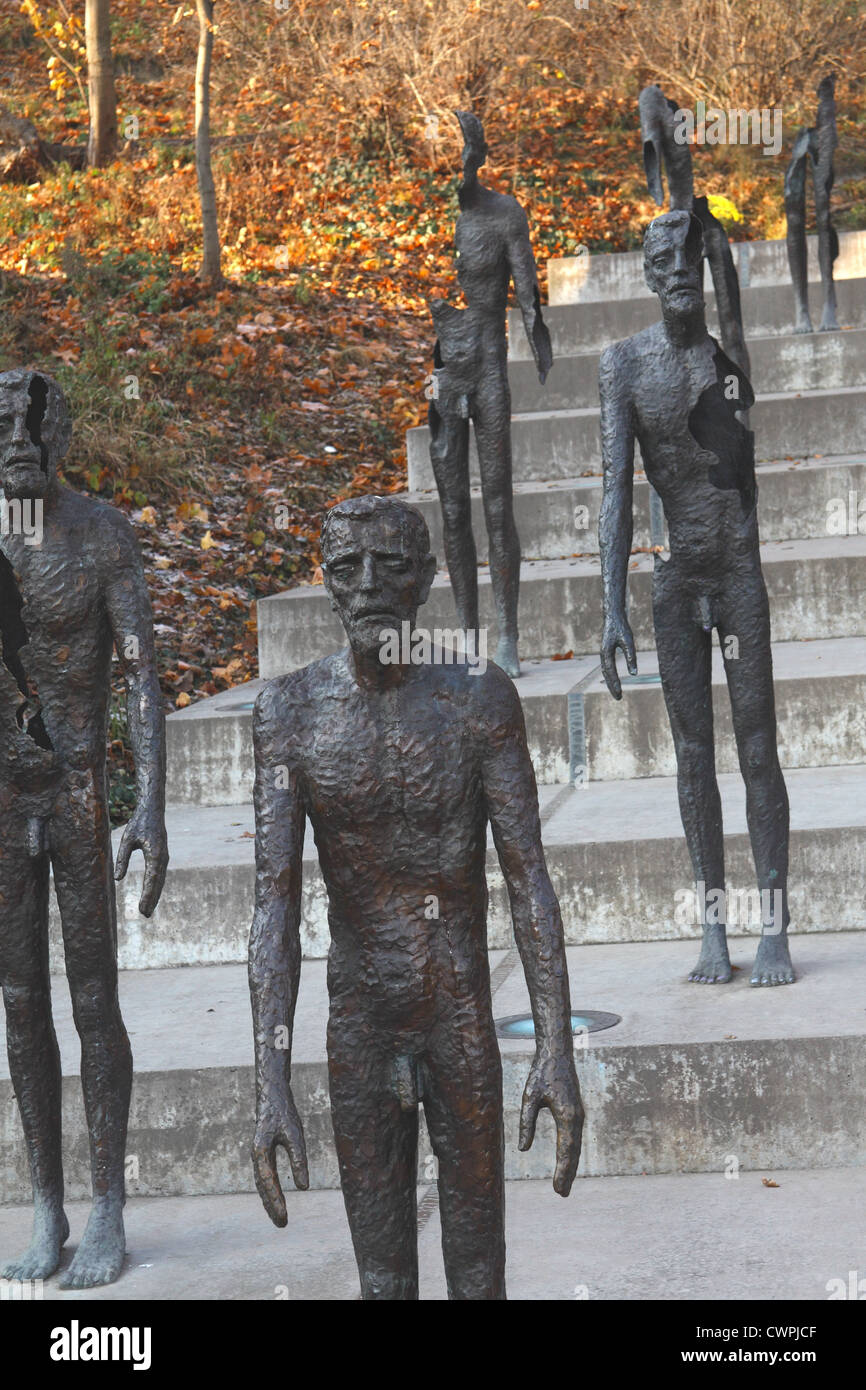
column 27, row 459
column 673, row 262
column 22, row 473
column 376, row 577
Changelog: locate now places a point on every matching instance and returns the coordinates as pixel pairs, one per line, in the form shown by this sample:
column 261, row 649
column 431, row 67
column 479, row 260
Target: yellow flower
column 723, row 208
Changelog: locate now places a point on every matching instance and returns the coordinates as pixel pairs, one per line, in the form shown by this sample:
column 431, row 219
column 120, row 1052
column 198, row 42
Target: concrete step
column 615, row 851
column 820, row 708
column 815, row 589
column 577, row 328
column 783, row 362
column 553, row 444
column 691, row 1077
column 672, row 1236
column 619, row 275
column 210, row 752
column 798, row 500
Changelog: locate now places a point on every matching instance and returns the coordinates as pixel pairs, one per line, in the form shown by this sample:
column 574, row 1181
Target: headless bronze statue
column 470, row 382
column 813, row 146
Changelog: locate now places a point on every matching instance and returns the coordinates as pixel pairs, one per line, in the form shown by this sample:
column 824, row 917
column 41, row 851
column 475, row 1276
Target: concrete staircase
column 691, row 1075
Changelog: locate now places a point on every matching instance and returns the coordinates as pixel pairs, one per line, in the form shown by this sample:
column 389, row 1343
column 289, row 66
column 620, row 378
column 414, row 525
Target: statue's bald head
column 675, row 228
column 387, row 512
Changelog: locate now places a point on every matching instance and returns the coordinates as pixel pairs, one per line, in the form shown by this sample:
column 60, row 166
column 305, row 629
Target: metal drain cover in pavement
column 586, row 1021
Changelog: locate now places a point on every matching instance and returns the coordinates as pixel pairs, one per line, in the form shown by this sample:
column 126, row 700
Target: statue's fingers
column 155, row 867
column 268, row 1184
column 627, row 643
column 608, row 670
column 293, row 1142
column 528, row 1116
column 568, row 1135
column 127, row 845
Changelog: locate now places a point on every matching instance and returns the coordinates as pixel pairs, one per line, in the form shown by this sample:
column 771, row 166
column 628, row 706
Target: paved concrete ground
column 683, row 1236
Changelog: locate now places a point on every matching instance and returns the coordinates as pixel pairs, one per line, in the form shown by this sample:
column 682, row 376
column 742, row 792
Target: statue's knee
column 500, row 520
column 456, row 513
column 23, row 997
column 695, row 757
column 758, row 755
column 95, row 1005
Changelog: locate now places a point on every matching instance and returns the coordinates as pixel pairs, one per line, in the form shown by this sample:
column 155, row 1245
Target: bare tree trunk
column 210, row 271
column 102, row 142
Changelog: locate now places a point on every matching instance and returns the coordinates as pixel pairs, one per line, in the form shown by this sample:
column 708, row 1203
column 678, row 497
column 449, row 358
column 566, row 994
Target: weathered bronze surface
column 400, row 768
column 661, row 151
column 470, row 382
column 672, row 388
column 813, row 146
column 65, row 604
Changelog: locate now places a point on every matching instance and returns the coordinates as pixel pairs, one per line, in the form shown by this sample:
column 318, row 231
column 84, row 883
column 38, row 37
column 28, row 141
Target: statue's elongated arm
column 512, row 805
column 275, row 952
column 615, row 522
column 525, row 276
column 131, row 619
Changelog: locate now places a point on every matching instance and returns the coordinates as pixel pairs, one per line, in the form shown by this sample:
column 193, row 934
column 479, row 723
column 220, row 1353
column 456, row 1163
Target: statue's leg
column 83, row 877
column 492, row 420
column 745, row 617
column 462, row 1090
column 376, row 1136
column 795, row 234
column 828, row 244
column 449, row 455
column 685, row 665
column 34, row 1059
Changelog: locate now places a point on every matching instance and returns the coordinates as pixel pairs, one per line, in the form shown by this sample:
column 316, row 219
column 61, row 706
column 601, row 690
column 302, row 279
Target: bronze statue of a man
column 65, row 603
column 400, row 768
column 470, row 382
column 673, row 389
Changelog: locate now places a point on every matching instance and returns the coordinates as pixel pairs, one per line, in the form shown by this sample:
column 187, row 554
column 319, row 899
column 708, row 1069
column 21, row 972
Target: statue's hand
column 278, row 1123
column 552, row 1081
column 146, row 831
column 617, row 633
column 544, row 356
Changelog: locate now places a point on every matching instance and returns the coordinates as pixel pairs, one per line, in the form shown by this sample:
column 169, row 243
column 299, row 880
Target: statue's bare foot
column 803, row 324
column 99, row 1258
column 773, row 962
column 714, row 963
column 507, row 658
column 829, row 323
column 42, row 1256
